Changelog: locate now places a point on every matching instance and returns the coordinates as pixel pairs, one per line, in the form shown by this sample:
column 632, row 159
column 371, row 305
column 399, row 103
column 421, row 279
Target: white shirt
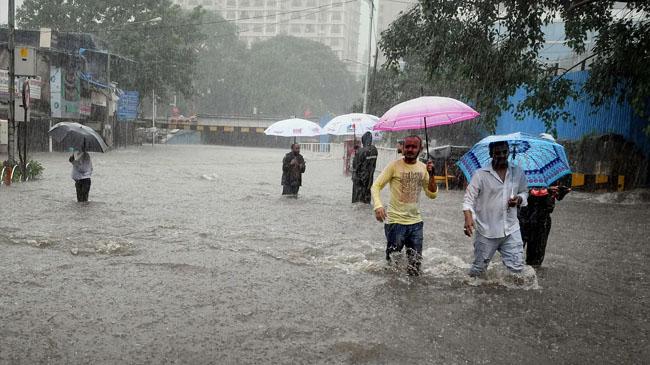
column 82, row 167
column 487, row 198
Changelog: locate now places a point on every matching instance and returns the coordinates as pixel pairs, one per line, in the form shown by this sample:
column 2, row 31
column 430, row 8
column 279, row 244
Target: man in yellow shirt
column 403, row 222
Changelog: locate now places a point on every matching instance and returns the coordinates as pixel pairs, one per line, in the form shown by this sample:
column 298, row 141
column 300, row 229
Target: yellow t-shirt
column 406, row 182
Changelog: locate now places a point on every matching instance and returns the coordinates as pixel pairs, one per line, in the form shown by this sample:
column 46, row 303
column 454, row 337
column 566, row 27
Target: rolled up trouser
column 510, row 247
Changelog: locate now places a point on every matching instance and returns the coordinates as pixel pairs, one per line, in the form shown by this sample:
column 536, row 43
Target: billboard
column 64, row 93
column 127, row 106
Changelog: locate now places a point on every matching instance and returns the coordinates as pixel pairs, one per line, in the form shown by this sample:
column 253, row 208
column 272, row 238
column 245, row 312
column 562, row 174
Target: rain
column 185, row 188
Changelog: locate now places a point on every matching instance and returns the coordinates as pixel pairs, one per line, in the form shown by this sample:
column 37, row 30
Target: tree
column 221, row 69
column 164, row 52
column 621, row 54
column 482, row 51
column 289, row 75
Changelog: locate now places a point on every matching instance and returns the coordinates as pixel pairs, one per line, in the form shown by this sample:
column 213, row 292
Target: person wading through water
column 293, row 166
column 403, row 221
column 363, row 170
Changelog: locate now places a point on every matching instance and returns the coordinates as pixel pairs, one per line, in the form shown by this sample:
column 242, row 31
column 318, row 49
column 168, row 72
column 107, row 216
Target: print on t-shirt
column 410, row 185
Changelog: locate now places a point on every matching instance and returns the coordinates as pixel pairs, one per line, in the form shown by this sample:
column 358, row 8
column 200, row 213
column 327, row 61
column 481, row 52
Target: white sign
column 45, row 40
column 25, row 61
column 55, row 91
column 98, row 98
column 4, row 84
column 85, row 107
column 4, row 131
column 20, row 111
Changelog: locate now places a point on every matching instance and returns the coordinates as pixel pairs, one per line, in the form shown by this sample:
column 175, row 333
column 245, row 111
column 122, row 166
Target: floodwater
column 188, row 254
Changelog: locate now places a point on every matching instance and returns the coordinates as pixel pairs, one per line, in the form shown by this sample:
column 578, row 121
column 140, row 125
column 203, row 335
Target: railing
column 11, row 171
column 337, row 151
column 315, row 147
column 384, row 156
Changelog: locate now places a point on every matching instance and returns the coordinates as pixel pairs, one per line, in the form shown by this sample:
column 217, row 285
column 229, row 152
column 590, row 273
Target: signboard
column 35, row 85
column 85, row 107
column 64, row 93
column 55, row 92
column 4, row 131
column 4, row 84
column 98, row 99
column 45, row 39
column 35, row 88
column 25, row 61
column 127, row 106
column 19, row 115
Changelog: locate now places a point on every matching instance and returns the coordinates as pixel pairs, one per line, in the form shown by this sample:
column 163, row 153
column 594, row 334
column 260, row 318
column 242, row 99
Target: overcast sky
column 4, row 9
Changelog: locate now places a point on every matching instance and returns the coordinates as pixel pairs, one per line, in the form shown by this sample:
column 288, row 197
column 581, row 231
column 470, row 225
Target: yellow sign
column 577, row 179
column 621, row 183
column 23, row 52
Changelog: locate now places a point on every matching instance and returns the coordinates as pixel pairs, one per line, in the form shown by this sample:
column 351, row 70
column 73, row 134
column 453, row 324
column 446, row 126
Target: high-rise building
column 389, row 11
column 334, row 23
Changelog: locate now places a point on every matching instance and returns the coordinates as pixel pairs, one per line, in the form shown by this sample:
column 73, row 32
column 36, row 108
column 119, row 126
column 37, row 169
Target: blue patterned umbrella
column 543, row 160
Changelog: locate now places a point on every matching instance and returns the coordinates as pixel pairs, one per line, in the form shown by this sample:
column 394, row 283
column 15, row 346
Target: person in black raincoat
column 363, row 169
column 293, row 166
column 535, row 221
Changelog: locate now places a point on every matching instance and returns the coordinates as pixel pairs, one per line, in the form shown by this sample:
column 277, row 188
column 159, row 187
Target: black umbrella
column 78, row 136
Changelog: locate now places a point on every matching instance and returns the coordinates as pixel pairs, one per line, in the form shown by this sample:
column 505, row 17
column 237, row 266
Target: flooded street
column 188, row 254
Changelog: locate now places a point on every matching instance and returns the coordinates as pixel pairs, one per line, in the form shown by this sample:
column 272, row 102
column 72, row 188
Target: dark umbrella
column 78, row 136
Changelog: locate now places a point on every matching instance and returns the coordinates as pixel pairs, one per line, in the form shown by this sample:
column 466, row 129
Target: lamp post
column 11, row 142
column 153, row 91
column 365, row 89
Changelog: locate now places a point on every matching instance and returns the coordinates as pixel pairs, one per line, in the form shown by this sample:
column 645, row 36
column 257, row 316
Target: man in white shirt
column 490, row 208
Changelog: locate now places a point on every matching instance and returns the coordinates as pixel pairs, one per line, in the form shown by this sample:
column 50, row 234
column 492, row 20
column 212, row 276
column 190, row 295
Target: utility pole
column 374, row 71
column 107, row 118
column 11, row 143
column 153, row 116
column 365, row 90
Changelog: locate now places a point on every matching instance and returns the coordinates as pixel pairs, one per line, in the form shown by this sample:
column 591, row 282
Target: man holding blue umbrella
column 490, row 208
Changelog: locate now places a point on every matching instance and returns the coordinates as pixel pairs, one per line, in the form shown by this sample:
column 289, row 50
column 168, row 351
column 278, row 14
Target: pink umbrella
column 424, row 112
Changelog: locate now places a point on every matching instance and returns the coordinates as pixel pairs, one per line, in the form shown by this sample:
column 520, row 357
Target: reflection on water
column 194, row 246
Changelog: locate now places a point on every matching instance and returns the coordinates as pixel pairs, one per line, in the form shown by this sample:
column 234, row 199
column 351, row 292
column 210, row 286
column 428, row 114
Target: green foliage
column 34, row 170
column 288, row 75
column 619, row 64
column 281, row 76
column 165, row 51
column 221, row 69
column 482, row 51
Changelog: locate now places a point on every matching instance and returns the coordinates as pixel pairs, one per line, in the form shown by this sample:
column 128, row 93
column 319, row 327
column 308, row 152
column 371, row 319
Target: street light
column 365, row 89
column 153, row 91
column 108, row 69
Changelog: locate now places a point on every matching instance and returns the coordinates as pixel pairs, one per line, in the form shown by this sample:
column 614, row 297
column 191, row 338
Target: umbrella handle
column 426, row 136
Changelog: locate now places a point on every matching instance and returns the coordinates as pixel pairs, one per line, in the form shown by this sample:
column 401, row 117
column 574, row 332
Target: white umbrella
column 294, row 127
column 350, row 124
